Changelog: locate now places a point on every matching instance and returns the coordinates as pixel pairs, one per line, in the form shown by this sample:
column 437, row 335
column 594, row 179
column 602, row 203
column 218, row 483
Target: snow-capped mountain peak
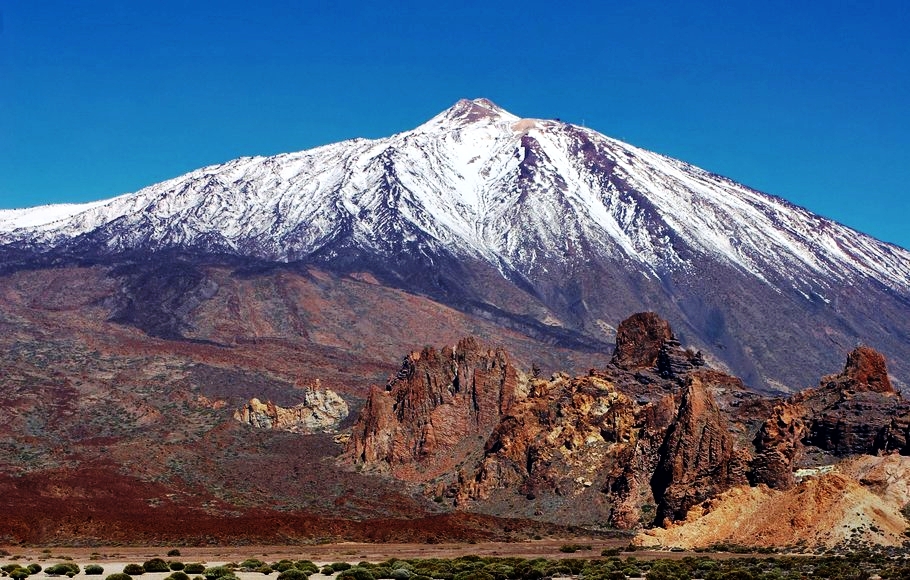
column 478, row 181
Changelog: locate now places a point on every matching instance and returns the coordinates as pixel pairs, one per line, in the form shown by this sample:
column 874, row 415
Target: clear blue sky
column 807, row 100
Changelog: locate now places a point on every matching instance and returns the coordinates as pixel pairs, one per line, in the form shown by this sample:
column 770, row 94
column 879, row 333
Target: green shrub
column 293, row 574
column 19, row 573
column 264, row 569
column 156, row 565
column 173, row 553
column 176, row 566
column 118, row 576
column 133, row 570
column 33, row 568
column 251, row 564
column 400, row 574
column 356, row 573
column 282, row 565
column 217, row 572
column 327, row 570
column 62, row 569
column 307, row 566
column 340, row 566
column 94, row 570
column 178, row 575
column 473, row 575
column 194, row 568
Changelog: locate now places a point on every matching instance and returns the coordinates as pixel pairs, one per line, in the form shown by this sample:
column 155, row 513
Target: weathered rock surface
column 639, row 339
column 436, row 411
column 561, row 441
column 857, row 411
column 321, row 411
column 698, row 459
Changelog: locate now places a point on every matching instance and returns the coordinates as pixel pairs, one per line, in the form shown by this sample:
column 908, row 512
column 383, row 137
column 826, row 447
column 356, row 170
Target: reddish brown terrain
column 126, row 416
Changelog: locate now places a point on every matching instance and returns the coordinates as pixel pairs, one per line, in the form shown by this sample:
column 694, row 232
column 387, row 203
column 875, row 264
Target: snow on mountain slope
column 481, row 182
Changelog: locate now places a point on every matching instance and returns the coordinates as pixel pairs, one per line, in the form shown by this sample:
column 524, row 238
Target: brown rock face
column 639, row 339
column 854, row 412
column 564, row 436
column 698, row 459
column 433, row 412
column 777, row 446
column 866, row 370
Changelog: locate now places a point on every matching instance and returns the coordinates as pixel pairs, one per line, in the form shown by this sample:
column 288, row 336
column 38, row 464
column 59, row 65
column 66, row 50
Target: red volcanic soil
column 101, row 507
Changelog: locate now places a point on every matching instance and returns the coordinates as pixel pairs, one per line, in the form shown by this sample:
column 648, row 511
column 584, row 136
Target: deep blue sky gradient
column 806, row 100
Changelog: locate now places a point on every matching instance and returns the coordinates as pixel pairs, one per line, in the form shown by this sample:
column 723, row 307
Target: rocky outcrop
column 646, row 341
column 639, row 339
column 777, row 445
column 698, row 459
column 854, row 412
column 562, row 437
column 430, row 416
column 322, row 410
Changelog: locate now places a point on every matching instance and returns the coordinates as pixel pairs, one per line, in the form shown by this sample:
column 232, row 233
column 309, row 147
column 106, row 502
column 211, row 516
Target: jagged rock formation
column 697, row 459
column 321, row 411
column 639, row 340
column 855, row 412
column 432, row 414
column 562, row 440
column 646, row 341
column 600, row 446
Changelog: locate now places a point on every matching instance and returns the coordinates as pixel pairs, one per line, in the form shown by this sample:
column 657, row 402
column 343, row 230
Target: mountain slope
column 545, row 227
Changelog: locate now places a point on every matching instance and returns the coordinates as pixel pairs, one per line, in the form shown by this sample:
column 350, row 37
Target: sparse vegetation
column 156, row 565
column 293, row 574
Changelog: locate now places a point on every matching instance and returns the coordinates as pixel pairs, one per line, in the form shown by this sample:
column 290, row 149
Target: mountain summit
column 549, row 228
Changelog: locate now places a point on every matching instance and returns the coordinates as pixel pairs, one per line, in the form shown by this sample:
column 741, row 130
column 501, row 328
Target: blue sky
column 806, row 100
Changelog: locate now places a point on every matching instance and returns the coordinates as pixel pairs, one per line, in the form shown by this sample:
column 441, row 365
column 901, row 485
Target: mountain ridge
column 529, row 221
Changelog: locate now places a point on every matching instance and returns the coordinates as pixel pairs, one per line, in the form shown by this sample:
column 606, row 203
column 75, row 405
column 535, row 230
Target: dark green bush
column 400, row 574
column 293, row 574
column 194, row 568
column 178, row 575
column 282, row 565
column 133, row 570
column 473, row 575
column 93, row 570
column 307, row 566
column 19, row 574
column 173, row 553
column 264, row 569
column 118, row 576
column 217, row 572
column 340, row 566
column 355, row 573
column 327, row 570
column 33, row 568
column 176, row 566
column 65, row 568
column 251, row 564
column 156, row 565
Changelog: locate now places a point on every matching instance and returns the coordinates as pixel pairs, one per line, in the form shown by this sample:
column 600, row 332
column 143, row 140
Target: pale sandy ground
column 113, row 559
